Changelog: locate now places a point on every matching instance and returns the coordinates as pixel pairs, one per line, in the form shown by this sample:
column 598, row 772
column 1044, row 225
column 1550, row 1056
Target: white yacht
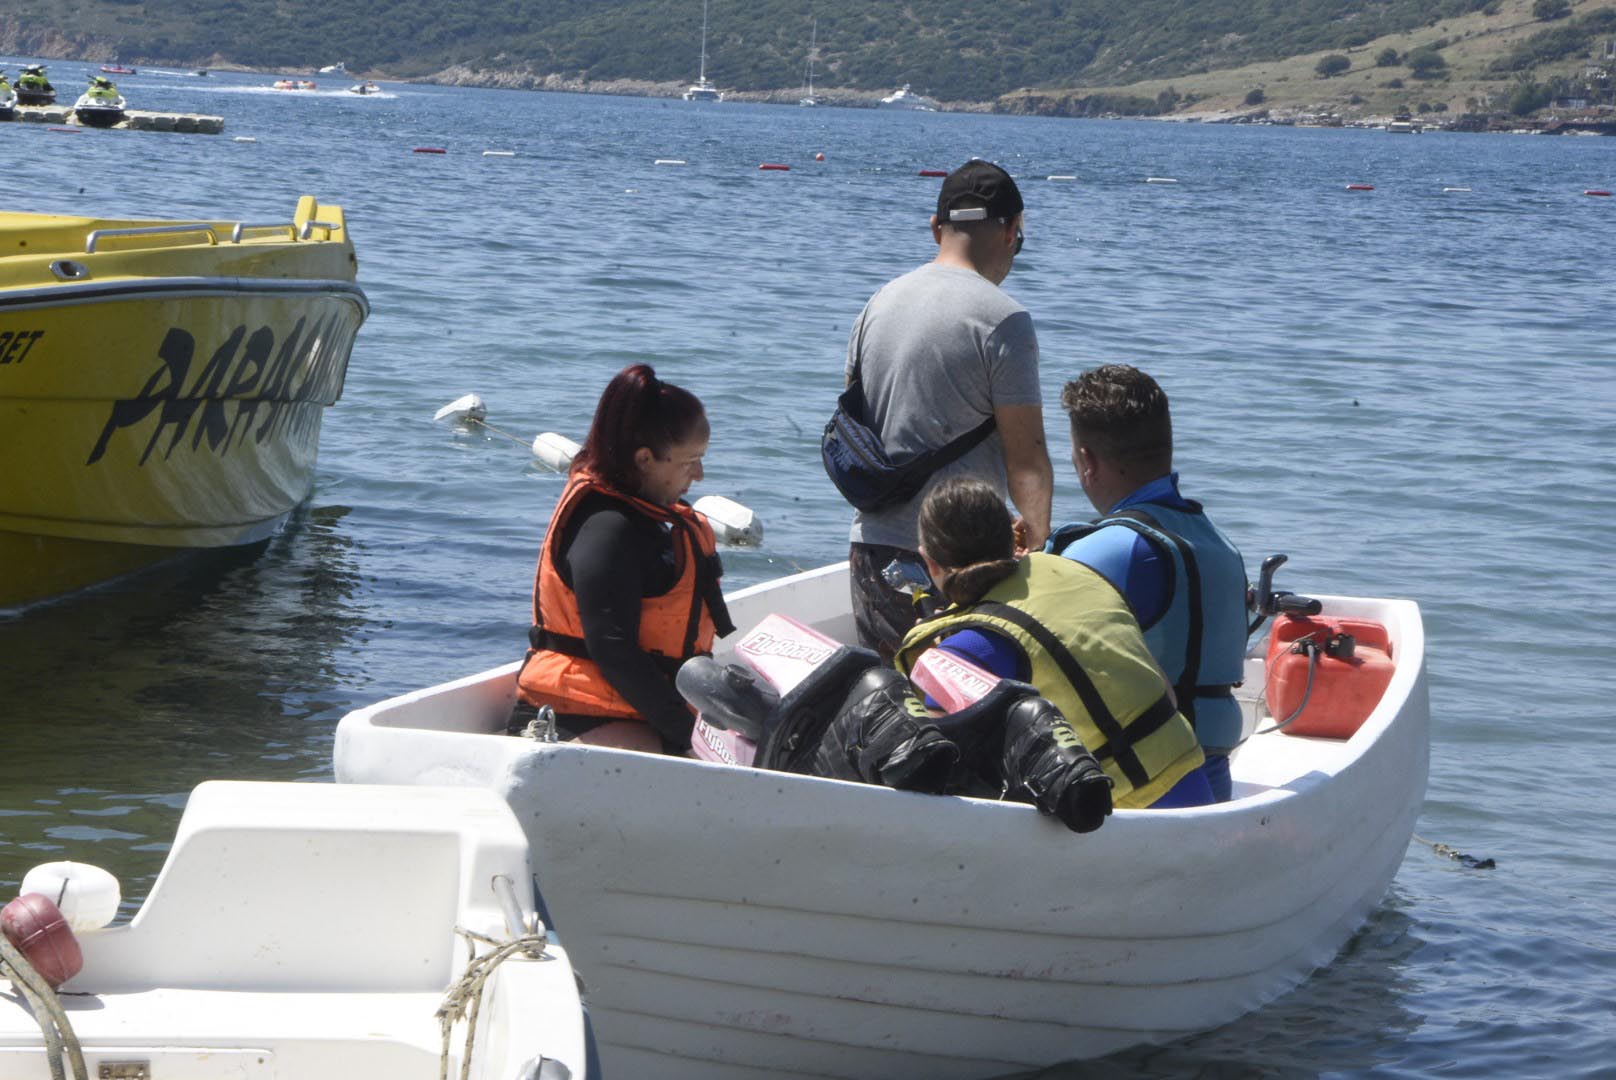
column 703, row 90
column 809, row 101
column 903, row 99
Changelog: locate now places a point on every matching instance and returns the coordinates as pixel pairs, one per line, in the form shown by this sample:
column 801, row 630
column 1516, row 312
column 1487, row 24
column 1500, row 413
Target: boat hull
column 98, row 116
column 35, row 97
column 729, row 922
column 164, row 400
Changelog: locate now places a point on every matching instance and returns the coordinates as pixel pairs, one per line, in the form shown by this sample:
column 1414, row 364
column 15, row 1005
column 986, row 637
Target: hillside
column 1493, row 60
column 960, row 51
column 1083, row 55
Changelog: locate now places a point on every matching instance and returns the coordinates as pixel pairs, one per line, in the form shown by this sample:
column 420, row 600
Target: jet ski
column 8, row 98
column 100, row 106
column 33, row 88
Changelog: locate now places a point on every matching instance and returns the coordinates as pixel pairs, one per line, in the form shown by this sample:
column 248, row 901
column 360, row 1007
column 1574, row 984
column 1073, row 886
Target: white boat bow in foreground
column 735, row 923
column 309, row 931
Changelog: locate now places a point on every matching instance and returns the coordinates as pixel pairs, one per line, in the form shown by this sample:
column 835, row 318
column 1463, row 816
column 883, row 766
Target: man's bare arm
column 1026, row 462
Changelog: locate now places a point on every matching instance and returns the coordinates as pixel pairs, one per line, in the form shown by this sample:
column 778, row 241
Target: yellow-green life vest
column 1087, row 655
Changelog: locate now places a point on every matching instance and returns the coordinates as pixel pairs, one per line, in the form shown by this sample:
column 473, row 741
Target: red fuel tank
column 1345, row 689
column 36, row 927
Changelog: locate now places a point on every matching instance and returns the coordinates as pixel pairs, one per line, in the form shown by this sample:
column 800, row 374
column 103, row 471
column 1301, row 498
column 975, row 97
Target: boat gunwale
column 178, row 288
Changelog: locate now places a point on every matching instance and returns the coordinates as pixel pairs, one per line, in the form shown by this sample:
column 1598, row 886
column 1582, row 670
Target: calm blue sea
column 1408, row 391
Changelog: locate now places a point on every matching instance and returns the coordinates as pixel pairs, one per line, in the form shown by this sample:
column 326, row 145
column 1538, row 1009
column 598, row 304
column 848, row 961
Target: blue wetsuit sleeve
column 1131, row 563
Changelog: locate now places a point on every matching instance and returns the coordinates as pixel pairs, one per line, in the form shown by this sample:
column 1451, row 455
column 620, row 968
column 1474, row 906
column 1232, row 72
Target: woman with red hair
column 627, row 587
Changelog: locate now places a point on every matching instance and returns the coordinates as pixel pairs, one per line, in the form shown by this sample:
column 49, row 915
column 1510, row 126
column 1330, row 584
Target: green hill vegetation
column 956, row 50
column 1502, row 57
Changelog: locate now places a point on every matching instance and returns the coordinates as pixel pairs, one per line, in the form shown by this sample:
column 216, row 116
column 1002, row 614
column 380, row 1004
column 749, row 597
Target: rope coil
column 463, row 1000
column 60, row 1041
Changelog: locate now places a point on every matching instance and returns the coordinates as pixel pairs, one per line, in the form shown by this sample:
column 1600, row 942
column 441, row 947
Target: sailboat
column 810, row 101
column 703, row 90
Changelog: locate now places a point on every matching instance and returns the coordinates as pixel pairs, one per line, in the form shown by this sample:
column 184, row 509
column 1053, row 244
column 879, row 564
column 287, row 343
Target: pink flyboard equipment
column 784, row 652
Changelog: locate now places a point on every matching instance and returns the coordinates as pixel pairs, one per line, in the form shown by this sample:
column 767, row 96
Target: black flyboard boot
column 728, row 696
column 978, row 731
column 883, row 735
column 792, row 731
column 1047, row 765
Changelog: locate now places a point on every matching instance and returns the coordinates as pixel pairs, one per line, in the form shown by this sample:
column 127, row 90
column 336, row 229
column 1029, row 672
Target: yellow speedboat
column 162, row 385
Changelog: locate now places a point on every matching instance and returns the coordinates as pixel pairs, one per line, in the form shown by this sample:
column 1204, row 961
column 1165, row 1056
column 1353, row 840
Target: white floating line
column 499, row 153
column 669, row 161
column 1062, row 178
column 244, row 138
column 1456, row 189
column 1160, row 180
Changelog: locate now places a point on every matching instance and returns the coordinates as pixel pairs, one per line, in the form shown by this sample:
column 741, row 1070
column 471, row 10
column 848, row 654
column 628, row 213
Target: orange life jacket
column 675, row 626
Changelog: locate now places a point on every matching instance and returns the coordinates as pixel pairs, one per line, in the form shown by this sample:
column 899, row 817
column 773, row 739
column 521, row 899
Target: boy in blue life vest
column 1183, row 578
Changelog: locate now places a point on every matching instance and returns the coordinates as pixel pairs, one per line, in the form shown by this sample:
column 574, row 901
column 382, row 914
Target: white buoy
column 1160, row 180
column 244, row 138
column 499, row 153
column 669, row 161
column 1062, row 177
column 1463, row 189
column 88, row 896
column 554, row 451
column 732, row 523
column 463, row 410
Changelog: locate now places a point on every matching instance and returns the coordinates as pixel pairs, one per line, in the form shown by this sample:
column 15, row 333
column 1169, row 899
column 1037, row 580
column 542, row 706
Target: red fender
column 36, row 927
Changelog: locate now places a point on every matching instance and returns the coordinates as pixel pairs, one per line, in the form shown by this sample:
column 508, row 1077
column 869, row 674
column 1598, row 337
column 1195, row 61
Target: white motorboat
column 703, row 90
column 312, row 931
column 903, row 99
column 364, row 89
column 730, row 922
column 339, row 68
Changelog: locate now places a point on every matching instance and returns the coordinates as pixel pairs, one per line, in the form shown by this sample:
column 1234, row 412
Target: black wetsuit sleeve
column 610, row 561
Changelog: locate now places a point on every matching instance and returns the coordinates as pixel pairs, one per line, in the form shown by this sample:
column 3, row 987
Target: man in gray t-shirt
column 939, row 350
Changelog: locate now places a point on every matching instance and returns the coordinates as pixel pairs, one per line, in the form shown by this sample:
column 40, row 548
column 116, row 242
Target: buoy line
column 732, row 522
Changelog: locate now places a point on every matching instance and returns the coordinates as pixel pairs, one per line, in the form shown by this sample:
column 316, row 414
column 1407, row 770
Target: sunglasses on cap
column 980, row 213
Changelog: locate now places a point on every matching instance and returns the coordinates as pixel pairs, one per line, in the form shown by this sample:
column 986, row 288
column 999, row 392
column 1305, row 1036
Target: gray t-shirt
column 939, row 349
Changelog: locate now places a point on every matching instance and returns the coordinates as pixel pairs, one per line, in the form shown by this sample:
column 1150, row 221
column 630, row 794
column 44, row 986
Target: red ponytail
column 637, row 409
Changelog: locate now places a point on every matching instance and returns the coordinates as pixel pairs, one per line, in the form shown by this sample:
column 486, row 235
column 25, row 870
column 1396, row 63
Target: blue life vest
column 1200, row 639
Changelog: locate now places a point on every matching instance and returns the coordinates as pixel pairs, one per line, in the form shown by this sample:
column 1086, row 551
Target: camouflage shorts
column 882, row 614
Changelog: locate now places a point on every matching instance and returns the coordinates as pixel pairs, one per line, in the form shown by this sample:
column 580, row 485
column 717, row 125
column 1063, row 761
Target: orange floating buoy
column 819, row 156
column 1360, row 187
column 933, row 172
column 770, row 166
column 1597, row 191
column 36, row 928
column 430, row 150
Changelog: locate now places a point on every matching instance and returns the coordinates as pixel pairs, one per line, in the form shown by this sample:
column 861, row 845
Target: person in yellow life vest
column 1065, row 629
column 627, row 586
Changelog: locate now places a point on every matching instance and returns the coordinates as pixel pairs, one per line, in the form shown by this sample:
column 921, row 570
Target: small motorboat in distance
column 33, row 88
column 364, row 89
column 101, row 106
column 903, row 99
column 165, row 381
column 300, row 930
column 116, row 69
column 732, row 922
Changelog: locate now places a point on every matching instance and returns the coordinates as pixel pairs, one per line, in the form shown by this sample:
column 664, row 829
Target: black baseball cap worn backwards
column 976, row 191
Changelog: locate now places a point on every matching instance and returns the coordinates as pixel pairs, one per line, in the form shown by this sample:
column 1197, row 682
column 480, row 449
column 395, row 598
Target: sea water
column 1409, row 391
